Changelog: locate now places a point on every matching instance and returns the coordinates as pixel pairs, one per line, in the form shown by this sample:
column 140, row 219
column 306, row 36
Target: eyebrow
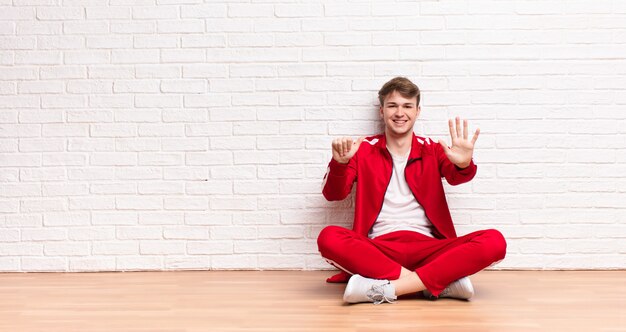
column 393, row 102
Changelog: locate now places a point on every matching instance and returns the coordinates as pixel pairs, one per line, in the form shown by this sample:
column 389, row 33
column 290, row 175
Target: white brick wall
column 187, row 135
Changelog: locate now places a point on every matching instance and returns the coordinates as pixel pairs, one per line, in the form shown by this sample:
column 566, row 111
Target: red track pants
column 437, row 262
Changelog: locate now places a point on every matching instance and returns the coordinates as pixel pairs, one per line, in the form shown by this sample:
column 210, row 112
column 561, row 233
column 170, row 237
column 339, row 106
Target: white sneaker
column 460, row 289
column 361, row 289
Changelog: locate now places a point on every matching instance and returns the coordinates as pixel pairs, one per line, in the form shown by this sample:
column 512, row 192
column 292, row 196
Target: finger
column 347, row 145
column 475, row 136
column 339, row 147
column 458, row 127
column 451, row 125
column 336, row 146
column 465, row 130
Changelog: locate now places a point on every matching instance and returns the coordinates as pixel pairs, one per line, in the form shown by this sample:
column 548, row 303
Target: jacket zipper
column 383, row 201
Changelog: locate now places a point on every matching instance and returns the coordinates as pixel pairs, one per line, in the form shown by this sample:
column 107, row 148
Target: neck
column 399, row 145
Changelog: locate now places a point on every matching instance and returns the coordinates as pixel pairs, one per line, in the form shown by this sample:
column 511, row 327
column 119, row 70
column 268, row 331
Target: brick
column 281, row 202
column 133, row 28
column 87, row 173
column 17, row 13
column 139, row 203
column 109, row 42
column 236, row 203
column 87, row 57
column 155, row 42
column 147, row 12
column 66, row 249
column 232, row 143
column 92, row 264
column 58, row 13
column 256, row 246
column 114, row 218
column 203, row 41
column 158, row 71
column 184, row 56
column 257, row 218
column 150, row 159
column 226, row 25
column 210, row 158
column 139, row 263
column 135, row 56
column 233, row 232
column 301, row 217
column 180, row 26
column 256, row 187
column 212, row 218
column 86, row 27
column 154, row 100
column 203, row 11
column 187, row 263
column 90, row 202
column 210, row 247
column 233, row 172
column 161, row 247
column 136, row 233
column 234, row 262
column 250, row 10
column 91, row 233
column 44, row 264
column 212, row 187
column 298, row 39
column 9, row 264
column 300, row 70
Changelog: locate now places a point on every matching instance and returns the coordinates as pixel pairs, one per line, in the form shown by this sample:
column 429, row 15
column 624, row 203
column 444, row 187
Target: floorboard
column 302, row 301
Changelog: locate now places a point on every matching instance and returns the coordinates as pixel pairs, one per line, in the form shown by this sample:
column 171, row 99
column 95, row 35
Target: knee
column 492, row 246
column 495, row 245
column 328, row 239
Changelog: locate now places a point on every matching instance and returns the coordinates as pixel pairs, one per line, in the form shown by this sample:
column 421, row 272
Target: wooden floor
column 302, row 301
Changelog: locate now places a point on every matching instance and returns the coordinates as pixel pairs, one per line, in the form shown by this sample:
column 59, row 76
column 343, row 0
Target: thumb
column 355, row 146
column 445, row 147
column 359, row 141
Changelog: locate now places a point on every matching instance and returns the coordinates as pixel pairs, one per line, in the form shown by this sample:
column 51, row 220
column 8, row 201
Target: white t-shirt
column 400, row 211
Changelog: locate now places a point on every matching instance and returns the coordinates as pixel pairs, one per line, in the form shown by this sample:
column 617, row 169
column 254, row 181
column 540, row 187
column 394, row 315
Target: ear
column 419, row 110
column 380, row 112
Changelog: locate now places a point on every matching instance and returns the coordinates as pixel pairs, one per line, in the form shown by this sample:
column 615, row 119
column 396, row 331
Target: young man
column 403, row 240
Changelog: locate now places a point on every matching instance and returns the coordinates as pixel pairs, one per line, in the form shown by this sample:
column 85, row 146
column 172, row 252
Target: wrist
column 342, row 162
column 463, row 166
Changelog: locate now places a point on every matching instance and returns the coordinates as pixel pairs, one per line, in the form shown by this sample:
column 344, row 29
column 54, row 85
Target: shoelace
column 377, row 294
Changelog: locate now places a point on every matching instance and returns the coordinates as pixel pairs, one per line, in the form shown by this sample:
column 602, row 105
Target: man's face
column 399, row 114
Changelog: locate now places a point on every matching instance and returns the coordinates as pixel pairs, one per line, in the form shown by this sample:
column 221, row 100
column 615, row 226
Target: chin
column 399, row 133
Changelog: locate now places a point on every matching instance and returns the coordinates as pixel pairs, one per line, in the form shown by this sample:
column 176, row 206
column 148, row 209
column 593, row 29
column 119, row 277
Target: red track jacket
column 371, row 167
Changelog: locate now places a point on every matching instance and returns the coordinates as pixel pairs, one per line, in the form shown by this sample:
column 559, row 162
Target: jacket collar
column 416, row 145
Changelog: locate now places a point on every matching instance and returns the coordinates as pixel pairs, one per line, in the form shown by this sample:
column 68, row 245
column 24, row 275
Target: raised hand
column 462, row 149
column 344, row 148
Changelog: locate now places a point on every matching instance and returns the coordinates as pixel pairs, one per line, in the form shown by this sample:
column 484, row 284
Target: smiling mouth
column 400, row 121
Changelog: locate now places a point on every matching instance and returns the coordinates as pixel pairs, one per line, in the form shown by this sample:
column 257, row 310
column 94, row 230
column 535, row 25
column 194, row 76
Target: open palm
column 462, row 149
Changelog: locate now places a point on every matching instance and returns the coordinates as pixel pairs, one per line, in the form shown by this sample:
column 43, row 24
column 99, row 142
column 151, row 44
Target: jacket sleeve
column 453, row 174
column 339, row 179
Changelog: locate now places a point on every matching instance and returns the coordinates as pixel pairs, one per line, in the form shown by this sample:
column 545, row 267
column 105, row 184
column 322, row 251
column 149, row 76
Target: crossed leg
column 412, row 261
